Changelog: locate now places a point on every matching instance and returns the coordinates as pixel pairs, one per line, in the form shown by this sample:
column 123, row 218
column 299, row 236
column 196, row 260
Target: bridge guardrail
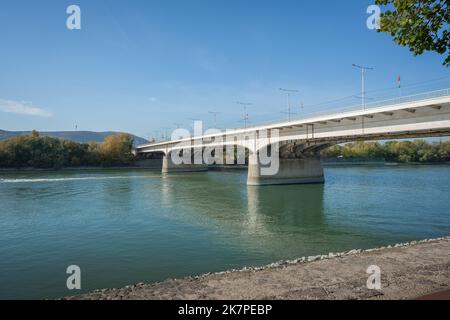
column 368, row 106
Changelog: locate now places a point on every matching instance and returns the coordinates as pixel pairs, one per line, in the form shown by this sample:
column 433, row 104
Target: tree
column 332, row 152
column 116, row 150
column 422, row 25
column 76, row 154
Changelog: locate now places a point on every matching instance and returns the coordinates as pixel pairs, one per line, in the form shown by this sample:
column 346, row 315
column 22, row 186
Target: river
column 128, row 226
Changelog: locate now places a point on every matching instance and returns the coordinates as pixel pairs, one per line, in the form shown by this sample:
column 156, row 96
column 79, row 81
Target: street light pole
column 288, row 93
column 166, row 136
column 245, row 105
column 215, row 114
column 363, row 82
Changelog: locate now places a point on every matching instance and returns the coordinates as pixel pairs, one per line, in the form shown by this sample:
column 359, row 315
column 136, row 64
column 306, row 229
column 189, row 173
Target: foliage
column 116, row 150
column 393, row 151
column 422, row 25
column 44, row 152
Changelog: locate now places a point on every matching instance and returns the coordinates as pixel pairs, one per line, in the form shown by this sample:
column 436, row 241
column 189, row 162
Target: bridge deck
column 427, row 114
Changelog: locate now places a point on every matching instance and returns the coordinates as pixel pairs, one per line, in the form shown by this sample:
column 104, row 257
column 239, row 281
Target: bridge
column 288, row 152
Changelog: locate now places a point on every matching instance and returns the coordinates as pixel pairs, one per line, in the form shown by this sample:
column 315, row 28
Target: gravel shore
column 408, row 271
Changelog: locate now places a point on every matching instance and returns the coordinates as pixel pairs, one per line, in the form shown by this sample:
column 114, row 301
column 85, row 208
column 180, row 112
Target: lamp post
column 245, row 105
column 214, row 114
column 288, row 94
column 363, row 82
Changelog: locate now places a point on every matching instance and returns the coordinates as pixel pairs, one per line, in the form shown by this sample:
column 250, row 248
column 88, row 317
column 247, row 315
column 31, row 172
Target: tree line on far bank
column 35, row 151
column 418, row 151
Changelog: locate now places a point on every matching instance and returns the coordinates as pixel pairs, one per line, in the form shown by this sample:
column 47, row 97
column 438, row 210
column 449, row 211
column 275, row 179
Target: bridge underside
column 168, row 165
column 296, row 163
column 299, row 161
column 297, row 144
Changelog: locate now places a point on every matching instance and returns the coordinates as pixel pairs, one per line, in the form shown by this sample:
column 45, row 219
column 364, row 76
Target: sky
column 148, row 66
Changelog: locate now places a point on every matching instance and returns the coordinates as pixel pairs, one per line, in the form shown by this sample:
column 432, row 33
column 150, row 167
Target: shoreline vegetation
column 409, row 270
column 35, row 152
column 405, row 152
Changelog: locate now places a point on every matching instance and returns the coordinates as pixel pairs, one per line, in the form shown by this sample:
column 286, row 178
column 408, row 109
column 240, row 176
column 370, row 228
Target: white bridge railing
column 368, row 106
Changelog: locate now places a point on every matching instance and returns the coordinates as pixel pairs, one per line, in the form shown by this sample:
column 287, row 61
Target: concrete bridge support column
column 291, row 171
column 168, row 166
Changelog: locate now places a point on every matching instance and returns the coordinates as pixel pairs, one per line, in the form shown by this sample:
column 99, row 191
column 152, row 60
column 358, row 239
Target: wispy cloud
column 23, row 107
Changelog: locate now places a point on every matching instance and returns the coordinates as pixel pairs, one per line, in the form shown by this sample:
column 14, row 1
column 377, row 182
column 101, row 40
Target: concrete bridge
column 295, row 145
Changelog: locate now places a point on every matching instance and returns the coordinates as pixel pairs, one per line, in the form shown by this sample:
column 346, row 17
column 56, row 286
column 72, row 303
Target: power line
column 376, row 91
column 289, row 112
column 330, row 101
column 414, row 84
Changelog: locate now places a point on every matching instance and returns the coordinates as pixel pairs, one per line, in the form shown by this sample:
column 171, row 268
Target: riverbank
column 408, row 271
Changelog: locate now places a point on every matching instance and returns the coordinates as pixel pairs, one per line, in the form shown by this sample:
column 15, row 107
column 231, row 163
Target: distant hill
column 77, row 136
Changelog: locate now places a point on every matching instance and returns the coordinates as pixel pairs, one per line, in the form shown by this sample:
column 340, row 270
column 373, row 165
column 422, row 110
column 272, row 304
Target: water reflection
column 269, row 219
column 166, row 194
column 214, row 196
column 287, row 205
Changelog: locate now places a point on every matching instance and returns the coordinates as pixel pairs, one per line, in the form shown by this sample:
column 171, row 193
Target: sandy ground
column 408, row 271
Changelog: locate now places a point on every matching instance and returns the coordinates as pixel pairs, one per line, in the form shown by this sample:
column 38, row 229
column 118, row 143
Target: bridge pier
column 169, row 167
column 291, row 171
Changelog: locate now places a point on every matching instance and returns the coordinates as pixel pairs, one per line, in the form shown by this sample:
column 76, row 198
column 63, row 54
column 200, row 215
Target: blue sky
column 141, row 66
